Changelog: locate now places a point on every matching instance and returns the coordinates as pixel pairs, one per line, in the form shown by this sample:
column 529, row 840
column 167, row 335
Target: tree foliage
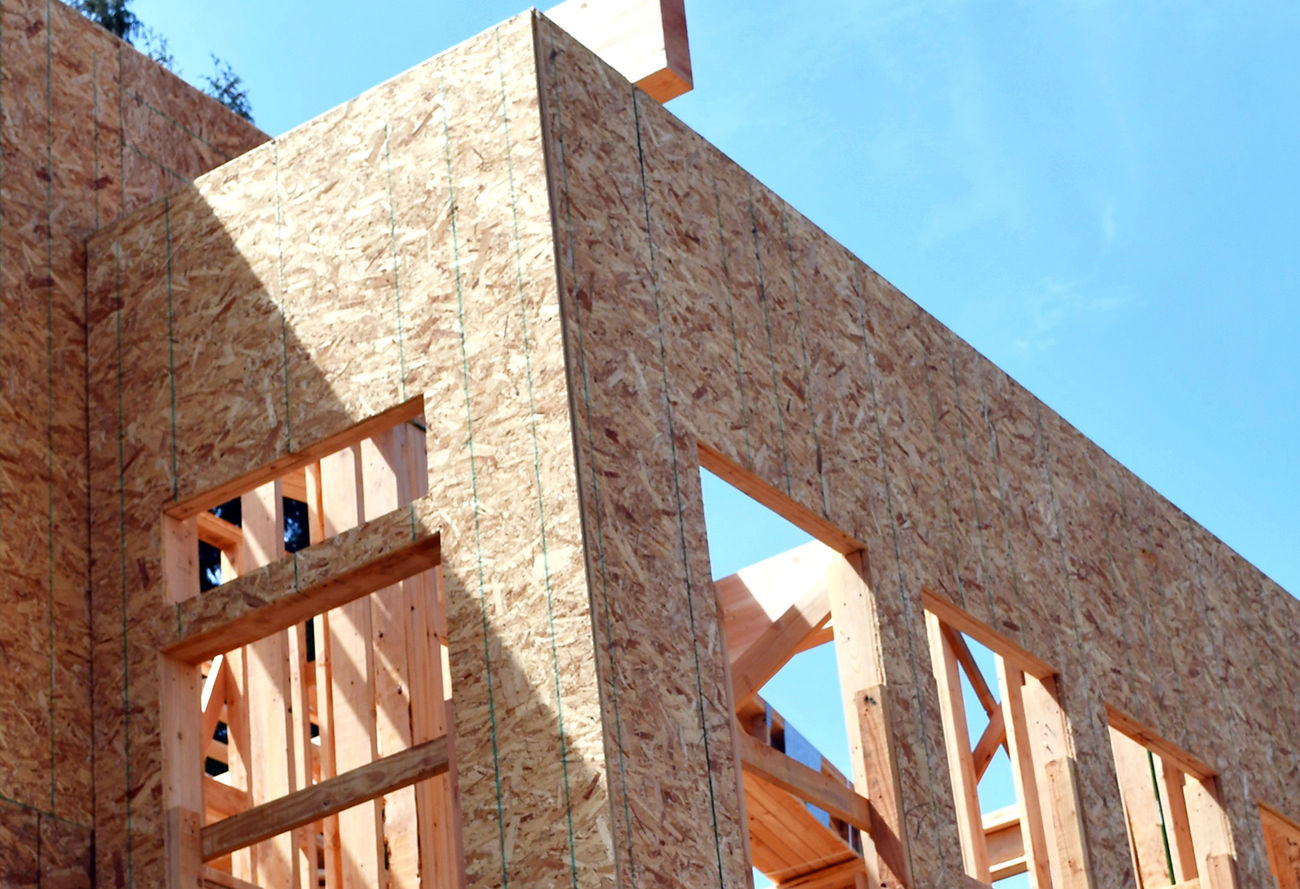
column 227, row 87
column 116, row 16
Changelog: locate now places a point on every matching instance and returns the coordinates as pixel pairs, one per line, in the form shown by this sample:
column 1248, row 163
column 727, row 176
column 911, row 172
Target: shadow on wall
column 231, row 326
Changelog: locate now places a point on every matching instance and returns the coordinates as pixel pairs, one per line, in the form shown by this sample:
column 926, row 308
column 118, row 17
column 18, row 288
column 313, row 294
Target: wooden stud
column 1057, row 791
column 1170, row 781
column 1210, row 836
column 382, row 457
column 957, row 740
column 344, row 439
column 352, row 673
column 183, row 844
column 271, row 755
column 1037, row 858
column 1008, row 649
column 867, row 717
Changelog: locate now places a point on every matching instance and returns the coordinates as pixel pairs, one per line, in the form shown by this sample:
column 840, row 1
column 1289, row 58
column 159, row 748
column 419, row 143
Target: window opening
column 1176, row 828
column 344, row 715
column 772, row 580
column 289, row 500
column 1012, row 778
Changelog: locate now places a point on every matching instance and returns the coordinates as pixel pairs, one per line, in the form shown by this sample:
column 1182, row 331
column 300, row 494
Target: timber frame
column 483, row 325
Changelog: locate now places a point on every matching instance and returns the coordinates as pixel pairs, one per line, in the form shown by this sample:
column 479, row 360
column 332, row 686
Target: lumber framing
column 488, row 321
column 329, row 797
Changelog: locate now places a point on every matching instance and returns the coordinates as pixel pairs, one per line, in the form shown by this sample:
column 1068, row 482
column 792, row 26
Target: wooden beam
column 353, row 678
column 1282, row 841
column 223, row 799
column 1171, row 782
column 644, row 40
column 1024, row 776
column 1129, row 726
column 1141, row 809
column 212, row 700
column 344, row 568
column 1057, row 791
column 187, row 507
column 808, row 784
column 868, row 720
column 776, row 645
column 781, row 504
column 360, row 785
column 182, row 841
column 1210, row 836
column 961, row 764
column 835, row 876
column 995, row 736
column 1003, row 836
column 225, row 536
column 1006, row 647
column 381, row 459
column 211, row 878
column 967, row 661
column 270, row 756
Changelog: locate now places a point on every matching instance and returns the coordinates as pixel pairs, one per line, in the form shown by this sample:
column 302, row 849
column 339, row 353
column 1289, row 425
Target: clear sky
column 1102, row 197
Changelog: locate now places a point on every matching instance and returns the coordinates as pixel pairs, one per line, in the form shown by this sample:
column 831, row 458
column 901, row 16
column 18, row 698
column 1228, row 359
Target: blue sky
column 1102, row 197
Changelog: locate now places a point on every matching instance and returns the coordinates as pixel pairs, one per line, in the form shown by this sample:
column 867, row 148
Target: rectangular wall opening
column 1176, row 826
column 339, row 705
column 309, row 497
column 775, row 584
column 1012, row 778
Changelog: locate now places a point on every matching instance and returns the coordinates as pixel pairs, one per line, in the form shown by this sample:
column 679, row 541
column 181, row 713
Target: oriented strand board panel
column 89, row 129
column 398, row 246
column 703, row 310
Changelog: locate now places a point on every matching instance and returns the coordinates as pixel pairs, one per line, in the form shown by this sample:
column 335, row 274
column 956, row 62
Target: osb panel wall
column 88, row 127
column 701, row 308
column 398, row 246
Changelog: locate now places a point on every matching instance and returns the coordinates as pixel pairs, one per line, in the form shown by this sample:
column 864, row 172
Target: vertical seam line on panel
column 771, row 354
column 90, row 546
column 284, row 328
column 473, row 472
column 279, row 283
column 171, row 343
column 731, row 314
column 1146, row 615
column 995, row 454
column 677, row 489
column 943, row 472
column 807, row 366
column 121, row 134
column 898, row 565
column 537, row 463
column 985, row 575
column 94, row 94
column 49, row 351
column 121, row 528
column 595, row 482
column 392, row 240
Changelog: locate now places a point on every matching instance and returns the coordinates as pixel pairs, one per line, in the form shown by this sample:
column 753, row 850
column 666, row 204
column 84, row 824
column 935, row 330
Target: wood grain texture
column 706, row 317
